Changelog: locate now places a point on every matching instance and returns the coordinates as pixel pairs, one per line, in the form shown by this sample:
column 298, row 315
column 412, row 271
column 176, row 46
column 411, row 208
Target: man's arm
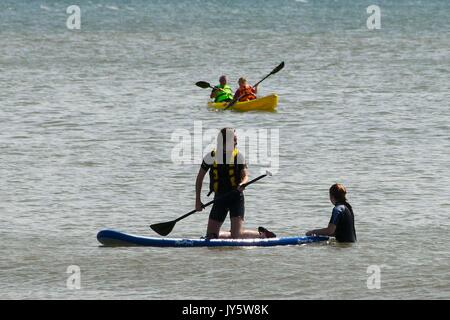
column 244, row 179
column 328, row 231
column 198, row 189
column 214, row 92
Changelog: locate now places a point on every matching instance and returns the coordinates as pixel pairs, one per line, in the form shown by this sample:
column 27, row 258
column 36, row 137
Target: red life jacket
column 246, row 94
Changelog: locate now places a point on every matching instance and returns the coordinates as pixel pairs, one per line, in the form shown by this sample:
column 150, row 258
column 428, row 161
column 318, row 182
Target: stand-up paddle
column 164, row 228
column 278, row 68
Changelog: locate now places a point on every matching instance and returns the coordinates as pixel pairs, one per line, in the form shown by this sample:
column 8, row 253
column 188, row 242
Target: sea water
column 89, row 119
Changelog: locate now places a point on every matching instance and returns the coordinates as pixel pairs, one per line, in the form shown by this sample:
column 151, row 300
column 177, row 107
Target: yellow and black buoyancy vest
column 231, row 170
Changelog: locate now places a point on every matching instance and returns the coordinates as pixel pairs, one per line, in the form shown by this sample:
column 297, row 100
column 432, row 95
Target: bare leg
column 225, row 235
column 238, row 231
column 214, row 228
column 251, row 234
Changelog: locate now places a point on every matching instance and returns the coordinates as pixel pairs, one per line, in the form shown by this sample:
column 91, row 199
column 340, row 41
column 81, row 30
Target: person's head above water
column 338, row 193
column 223, row 80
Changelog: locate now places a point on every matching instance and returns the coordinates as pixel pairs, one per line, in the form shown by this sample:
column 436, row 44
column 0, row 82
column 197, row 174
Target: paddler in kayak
column 222, row 92
column 245, row 92
column 228, row 173
column 342, row 222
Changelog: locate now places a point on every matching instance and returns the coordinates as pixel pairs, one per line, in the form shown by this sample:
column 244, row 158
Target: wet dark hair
column 338, row 192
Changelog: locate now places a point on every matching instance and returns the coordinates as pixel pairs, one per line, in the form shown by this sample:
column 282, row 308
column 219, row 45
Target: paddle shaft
column 263, row 79
column 219, row 198
column 216, row 88
column 206, row 85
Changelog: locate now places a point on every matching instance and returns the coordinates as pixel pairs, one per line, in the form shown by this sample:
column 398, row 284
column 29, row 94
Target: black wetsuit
column 344, row 220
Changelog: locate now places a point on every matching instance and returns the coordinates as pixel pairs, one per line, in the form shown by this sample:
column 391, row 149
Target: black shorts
column 234, row 203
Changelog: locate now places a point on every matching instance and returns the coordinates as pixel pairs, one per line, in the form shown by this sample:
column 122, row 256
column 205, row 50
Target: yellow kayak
column 267, row 103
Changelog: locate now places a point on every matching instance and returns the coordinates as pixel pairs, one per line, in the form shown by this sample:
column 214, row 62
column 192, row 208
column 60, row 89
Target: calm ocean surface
column 86, row 124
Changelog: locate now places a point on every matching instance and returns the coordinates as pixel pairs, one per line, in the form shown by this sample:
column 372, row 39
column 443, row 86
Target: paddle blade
column 280, row 66
column 203, row 84
column 163, row 228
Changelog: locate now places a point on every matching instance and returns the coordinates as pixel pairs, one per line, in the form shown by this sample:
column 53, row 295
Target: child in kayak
column 245, row 92
column 342, row 222
column 228, row 174
column 222, row 92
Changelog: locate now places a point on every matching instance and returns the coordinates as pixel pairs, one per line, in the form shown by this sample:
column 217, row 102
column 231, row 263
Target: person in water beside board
column 228, row 174
column 342, row 222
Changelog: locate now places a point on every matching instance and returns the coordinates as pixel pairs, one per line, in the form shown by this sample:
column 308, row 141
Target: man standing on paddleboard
column 228, row 174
